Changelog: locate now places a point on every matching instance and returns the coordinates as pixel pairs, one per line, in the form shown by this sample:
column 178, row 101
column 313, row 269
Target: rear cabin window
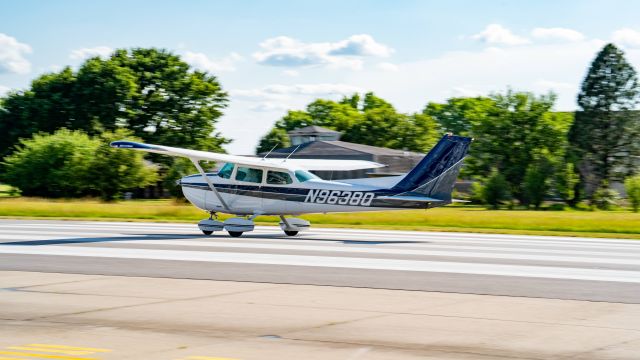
column 249, row 174
column 226, row 171
column 278, row 178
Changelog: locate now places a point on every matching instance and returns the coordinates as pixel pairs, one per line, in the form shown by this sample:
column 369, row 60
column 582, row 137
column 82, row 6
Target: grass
column 616, row 224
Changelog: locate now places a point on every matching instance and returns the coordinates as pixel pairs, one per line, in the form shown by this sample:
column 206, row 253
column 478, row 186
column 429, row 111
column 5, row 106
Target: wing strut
column 206, row 178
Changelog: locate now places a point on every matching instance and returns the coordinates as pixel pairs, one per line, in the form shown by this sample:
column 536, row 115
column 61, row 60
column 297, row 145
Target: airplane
column 248, row 187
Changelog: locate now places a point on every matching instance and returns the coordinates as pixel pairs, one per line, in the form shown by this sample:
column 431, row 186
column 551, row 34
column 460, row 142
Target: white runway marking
column 340, row 262
column 477, row 254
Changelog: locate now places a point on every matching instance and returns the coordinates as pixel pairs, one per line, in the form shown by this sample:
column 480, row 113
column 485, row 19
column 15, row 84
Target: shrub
column 71, row 164
column 604, row 198
column 632, row 186
column 536, row 184
column 496, row 190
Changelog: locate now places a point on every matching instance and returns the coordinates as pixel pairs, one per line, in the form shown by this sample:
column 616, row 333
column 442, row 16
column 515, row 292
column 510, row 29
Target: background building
column 315, row 142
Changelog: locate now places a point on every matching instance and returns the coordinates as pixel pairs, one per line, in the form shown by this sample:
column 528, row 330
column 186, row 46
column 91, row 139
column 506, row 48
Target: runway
column 531, row 266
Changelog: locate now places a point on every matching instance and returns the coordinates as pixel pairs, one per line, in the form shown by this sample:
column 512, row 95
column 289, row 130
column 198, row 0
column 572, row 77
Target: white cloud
column 4, row 90
column 289, row 52
column 554, row 66
column 626, row 37
column 385, row 66
column 360, row 45
column 555, row 86
column 278, row 91
column 12, row 55
column 497, row 34
column 85, row 53
column 292, row 73
column 203, row 62
column 557, row 33
column 267, row 106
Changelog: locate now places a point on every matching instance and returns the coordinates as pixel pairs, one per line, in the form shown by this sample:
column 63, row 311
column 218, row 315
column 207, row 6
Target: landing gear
column 235, row 233
column 208, row 226
column 292, row 226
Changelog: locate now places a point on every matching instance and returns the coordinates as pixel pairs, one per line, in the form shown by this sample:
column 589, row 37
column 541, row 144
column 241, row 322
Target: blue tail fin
column 437, row 172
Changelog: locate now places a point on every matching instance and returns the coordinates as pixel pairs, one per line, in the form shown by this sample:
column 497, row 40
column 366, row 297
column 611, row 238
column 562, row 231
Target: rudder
column 436, row 173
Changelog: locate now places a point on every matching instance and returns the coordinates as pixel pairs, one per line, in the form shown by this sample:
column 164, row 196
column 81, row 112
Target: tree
column 71, row 164
column 51, row 165
column 458, row 115
column 112, row 171
column 275, row 139
column 566, row 183
column 375, row 123
column 632, row 187
column 495, row 190
column 536, row 182
column 518, row 130
column 172, row 104
column 149, row 91
column 605, row 133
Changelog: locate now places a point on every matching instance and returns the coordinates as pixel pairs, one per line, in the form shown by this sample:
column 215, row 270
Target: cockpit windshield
column 303, row 175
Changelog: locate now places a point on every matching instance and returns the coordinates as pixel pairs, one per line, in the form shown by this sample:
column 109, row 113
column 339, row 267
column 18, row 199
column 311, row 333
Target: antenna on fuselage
column 273, row 148
column 294, row 150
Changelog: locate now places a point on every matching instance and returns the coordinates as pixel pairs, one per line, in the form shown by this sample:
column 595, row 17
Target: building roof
column 312, row 130
column 322, row 149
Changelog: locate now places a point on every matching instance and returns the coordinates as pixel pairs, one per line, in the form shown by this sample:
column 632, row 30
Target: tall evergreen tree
column 604, row 136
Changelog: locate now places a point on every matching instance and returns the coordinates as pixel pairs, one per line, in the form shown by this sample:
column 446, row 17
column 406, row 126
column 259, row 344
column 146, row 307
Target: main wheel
column 235, row 233
column 291, row 233
column 207, row 232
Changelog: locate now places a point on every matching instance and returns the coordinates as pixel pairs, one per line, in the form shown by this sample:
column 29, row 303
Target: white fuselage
column 311, row 196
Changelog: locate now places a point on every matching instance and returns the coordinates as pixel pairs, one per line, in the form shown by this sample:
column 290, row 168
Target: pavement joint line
column 413, row 348
column 162, row 301
column 20, row 288
column 573, row 356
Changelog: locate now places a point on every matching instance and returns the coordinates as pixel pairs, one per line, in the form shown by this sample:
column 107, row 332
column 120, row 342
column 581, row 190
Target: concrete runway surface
column 181, row 295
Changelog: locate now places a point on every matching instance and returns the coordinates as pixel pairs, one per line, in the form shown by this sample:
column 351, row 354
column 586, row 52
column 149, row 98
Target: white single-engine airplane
column 248, row 186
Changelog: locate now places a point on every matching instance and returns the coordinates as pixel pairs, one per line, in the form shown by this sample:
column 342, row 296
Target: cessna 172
column 248, row 186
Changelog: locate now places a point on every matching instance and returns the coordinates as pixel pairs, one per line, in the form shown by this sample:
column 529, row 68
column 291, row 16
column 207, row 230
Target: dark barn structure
column 315, row 142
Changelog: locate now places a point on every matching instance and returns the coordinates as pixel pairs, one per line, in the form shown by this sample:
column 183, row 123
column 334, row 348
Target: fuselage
column 265, row 191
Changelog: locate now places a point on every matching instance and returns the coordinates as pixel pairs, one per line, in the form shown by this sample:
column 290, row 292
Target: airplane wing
column 307, row 164
column 328, row 165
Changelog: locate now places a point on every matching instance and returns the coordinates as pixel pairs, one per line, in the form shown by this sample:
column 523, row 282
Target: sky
column 272, row 56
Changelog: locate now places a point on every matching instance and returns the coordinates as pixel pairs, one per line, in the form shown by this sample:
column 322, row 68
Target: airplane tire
column 291, row 233
column 207, row 232
column 235, row 233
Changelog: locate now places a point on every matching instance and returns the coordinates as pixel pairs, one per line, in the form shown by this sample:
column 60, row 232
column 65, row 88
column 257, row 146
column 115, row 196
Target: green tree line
column 524, row 151
column 149, row 94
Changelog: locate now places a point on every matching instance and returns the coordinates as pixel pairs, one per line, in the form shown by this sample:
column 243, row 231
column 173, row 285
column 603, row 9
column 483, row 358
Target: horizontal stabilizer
column 409, row 198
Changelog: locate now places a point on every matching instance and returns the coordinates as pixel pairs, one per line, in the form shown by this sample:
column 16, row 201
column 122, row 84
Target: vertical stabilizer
column 437, row 172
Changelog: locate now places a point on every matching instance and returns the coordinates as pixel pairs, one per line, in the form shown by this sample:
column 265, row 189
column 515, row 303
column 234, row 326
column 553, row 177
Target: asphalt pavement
column 509, row 265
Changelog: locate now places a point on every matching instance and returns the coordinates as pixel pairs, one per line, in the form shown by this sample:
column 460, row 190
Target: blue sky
column 278, row 55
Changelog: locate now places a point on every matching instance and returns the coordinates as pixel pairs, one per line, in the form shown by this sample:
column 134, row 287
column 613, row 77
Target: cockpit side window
column 249, row 174
column 226, row 171
column 303, row 175
column 278, row 178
